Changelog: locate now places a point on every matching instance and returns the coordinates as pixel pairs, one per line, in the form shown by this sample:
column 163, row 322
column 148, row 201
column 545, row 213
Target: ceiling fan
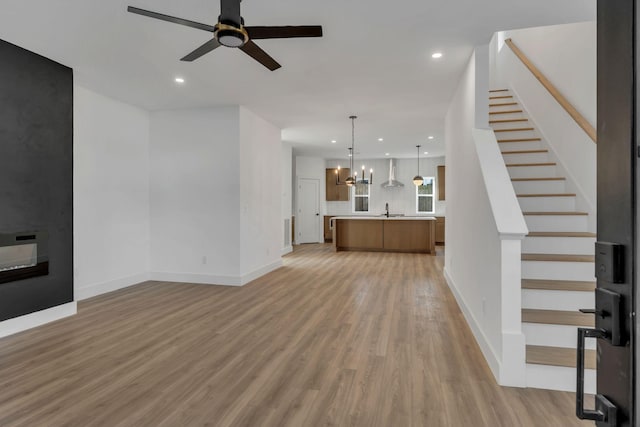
column 231, row 32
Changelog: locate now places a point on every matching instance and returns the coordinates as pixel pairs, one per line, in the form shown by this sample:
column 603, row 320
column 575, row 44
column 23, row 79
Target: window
column 424, row 196
column 361, row 197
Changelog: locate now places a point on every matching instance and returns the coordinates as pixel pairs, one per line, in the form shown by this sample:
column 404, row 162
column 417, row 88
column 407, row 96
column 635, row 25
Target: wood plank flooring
column 330, row 339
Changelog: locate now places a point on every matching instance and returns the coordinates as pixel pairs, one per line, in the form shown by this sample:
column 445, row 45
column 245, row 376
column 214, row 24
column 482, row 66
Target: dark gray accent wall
column 36, row 172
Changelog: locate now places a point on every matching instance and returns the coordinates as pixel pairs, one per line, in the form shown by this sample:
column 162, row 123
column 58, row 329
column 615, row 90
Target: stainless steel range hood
column 392, row 182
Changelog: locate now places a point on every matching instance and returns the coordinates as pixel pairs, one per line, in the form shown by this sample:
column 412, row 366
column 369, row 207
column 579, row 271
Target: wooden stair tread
column 557, row 317
column 508, row 121
column 506, row 112
column 515, row 165
column 519, row 140
column 514, row 130
column 547, row 195
column 551, row 178
column 503, row 104
column 559, row 356
column 558, row 257
column 561, row 234
column 524, row 152
column 498, row 90
column 556, row 213
column 559, row 285
column 501, row 97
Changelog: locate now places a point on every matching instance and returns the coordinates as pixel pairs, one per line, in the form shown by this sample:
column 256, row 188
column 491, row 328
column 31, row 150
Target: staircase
column 557, row 254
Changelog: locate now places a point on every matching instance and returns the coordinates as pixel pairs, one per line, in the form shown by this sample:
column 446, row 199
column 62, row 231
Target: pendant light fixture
column 418, row 180
column 352, row 180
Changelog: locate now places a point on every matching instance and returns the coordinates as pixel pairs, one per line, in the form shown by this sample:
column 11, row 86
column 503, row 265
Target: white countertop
column 392, row 218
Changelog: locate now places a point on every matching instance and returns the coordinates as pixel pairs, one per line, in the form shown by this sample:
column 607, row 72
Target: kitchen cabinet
column 440, row 230
column 337, row 192
column 441, row 170
column 328, row 233
column 379, row 234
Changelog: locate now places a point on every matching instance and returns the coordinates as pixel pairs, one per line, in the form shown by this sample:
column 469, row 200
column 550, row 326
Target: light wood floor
column 347, row 339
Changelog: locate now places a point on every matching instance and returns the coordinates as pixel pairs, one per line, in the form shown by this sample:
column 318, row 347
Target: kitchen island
column 384, row 234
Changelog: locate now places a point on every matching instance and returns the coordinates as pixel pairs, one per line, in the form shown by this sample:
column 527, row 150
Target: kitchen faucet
column 386, row 208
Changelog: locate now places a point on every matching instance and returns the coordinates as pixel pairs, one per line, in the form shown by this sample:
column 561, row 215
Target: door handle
column 583, row 414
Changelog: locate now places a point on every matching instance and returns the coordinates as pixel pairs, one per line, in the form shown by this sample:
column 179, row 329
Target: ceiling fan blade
column 230, row 11
column 202, row 50
column 173, row 19
column 254, row 51
column 258, row 33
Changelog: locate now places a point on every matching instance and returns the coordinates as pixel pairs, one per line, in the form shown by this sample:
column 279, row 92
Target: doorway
column 308, row 215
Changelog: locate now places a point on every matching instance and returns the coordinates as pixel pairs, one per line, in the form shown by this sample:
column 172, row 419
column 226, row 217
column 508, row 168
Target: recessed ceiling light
column 179, row 80
column 333, row 141
column 430, row 137
column 437, row 55
column 386, row 154
column 380, row 139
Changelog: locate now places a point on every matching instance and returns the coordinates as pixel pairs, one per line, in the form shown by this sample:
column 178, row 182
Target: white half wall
column 480, row 264
column 111, row 194
column 195, row 195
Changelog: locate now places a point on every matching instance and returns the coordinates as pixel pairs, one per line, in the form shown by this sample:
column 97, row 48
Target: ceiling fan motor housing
column 231, row 35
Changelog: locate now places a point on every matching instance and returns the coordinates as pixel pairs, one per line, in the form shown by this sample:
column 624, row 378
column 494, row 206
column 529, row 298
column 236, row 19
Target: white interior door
column 308, row 216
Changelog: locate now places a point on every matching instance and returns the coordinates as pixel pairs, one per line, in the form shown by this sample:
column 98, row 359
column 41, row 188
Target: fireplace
column 23, row 255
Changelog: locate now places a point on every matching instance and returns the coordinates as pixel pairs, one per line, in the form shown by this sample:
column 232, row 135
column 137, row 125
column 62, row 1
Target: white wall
column 566, row 54
column 260, row 175
column 475, row 266
column 286, row 160
column 195, row 195
column 401, row 200
column 111, row 194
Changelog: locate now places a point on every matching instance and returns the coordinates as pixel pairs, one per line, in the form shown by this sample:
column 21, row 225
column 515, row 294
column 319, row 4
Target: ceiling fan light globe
column 231, row 38
column 418, row 180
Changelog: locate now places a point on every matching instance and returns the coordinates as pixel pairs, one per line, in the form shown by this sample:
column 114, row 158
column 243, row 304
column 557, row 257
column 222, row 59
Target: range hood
column 392, row 183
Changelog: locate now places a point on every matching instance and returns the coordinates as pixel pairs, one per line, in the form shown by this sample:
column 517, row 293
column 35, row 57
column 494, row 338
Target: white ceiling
column 374, row 60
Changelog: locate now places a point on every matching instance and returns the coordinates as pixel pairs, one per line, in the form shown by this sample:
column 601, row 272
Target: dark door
column 618, row 209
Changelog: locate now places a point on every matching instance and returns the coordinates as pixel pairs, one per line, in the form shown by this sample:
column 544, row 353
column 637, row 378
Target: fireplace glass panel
column 18, row 256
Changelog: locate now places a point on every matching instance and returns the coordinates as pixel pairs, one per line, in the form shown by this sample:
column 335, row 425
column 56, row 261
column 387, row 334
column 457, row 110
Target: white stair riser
column 503, row 107
column 510, row 125
column 512, row 134
column 553, row 335
column 559, row 245
column 556, row 222
column 547, row 204
column 531, row 171
column 553, row 270
column 526, row 157
column 557, row 300
column 537, row 187
column 559, row 378
column 505, row 116
column 523, row 145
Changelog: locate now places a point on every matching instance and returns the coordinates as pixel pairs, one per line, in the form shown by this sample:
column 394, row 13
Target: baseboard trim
column 209, row 279
column 486, row 348
column 39, row 318
column 287, row 250
column 250, row 277
column 96, row 289
column 201, row 279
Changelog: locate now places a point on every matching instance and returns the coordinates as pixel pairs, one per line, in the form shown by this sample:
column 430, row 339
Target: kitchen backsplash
column 401, row 200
